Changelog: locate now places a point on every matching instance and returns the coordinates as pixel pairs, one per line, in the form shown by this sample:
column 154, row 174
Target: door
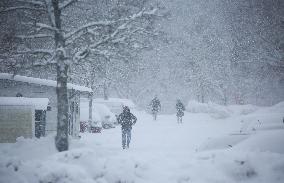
column 40, row 123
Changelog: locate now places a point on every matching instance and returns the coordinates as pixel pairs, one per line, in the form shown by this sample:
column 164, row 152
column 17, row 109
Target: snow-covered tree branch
column 50, row 32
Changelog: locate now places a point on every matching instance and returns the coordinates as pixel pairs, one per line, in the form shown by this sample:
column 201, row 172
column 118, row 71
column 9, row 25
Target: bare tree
column 49, row 34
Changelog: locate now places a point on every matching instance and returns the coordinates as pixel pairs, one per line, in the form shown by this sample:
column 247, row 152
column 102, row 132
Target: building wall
column 74, row 109
column 16, row 121
column 74, row 113
column 9, row 88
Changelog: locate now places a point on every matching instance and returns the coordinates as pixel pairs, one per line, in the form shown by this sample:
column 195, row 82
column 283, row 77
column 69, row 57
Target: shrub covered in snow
column 214, row 110
column 219, row 111
column 242, row 109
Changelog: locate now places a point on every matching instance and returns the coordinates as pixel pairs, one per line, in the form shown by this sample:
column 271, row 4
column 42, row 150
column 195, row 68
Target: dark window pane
column 38, row 114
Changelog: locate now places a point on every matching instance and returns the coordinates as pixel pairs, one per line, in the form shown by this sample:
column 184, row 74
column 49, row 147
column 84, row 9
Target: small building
column 20, row 116
column 30, row 87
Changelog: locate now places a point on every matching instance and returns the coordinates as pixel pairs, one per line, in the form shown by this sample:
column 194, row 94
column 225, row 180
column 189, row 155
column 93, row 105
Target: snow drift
column 219, row 111
column 202, row 149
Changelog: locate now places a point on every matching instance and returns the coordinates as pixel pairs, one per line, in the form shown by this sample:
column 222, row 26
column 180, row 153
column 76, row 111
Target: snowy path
column 162, row 145
column 164, row 151
column 161, row 151
column 164, row 135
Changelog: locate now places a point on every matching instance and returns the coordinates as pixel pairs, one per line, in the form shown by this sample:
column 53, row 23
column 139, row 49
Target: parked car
column 107, row 118
column 102, row 117
column 94, row 127
column 115, row 104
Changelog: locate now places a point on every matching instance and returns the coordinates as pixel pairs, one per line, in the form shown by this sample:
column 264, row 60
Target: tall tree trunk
column 202, row 98
column 202, row 94
column 90, row 108
column 61, row 140
column 105, row 91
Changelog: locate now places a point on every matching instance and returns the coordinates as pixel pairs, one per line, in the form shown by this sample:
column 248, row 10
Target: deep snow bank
column 88, row 162
column 262, row 130
column 219, row 111
column 163, row 153
column 264, row 141
column 214, row 110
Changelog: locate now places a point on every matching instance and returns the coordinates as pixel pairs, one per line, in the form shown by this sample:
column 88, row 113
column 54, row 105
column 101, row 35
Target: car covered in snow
column 102, row 117
column 115, row 104
column 95, row 126
column 107, row 118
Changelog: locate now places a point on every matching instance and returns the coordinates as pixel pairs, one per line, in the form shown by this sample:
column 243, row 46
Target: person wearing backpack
column 126, row 119
column 155, row 107
column 180, row 108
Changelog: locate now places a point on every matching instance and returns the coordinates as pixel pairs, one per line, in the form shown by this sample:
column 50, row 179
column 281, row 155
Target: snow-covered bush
column 278, row 108
column 219, row 111
column 243, row 109
column 214, row 110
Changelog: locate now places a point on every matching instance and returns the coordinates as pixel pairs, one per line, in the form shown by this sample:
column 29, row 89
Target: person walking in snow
column 126, row 119
column 180, row 111
column 156, row 107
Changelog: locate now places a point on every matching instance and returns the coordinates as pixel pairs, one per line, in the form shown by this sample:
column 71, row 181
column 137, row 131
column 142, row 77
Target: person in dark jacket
column 180, row 110
column 126, row 119
column 156, row 107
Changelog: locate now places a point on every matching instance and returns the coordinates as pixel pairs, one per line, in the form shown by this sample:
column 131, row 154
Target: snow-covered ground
column 240, row 147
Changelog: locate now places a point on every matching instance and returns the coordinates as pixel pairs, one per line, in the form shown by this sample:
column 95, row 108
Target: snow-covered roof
column 38, row 103
column 39, row 81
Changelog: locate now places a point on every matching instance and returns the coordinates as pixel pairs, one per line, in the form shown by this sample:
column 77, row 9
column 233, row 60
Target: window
column 77, row 108
column 38, row 115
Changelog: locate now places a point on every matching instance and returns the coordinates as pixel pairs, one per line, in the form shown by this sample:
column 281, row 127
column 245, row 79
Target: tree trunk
column 202, row 99
column 202, row 95
column 90, row 108
column 105, row 91
column 61, row 140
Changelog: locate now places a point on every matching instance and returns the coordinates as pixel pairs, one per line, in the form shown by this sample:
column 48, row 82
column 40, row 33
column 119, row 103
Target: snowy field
column 213, row 145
